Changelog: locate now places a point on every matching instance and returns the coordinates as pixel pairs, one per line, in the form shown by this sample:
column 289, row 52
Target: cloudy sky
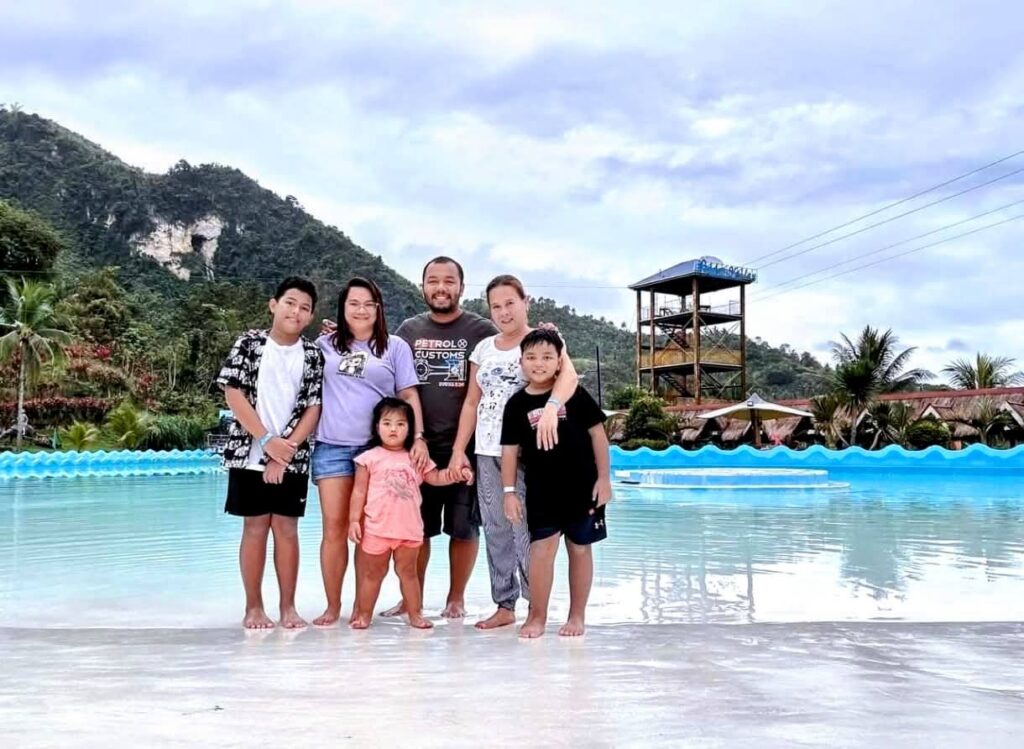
column 587, row 145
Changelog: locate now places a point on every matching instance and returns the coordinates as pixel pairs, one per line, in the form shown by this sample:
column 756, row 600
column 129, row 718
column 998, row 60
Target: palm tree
column 34, row 338
column 987, row 418
column 870, row 366
column 80, row 436
column 984, row 372
column 828, row 418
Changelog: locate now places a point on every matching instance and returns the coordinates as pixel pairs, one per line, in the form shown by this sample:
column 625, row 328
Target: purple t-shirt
column 354, row 382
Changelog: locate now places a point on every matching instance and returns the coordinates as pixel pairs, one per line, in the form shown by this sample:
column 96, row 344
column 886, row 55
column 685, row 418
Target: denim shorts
column 332, row 461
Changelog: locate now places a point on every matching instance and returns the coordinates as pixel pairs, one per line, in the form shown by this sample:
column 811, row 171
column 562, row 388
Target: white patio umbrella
column 755, row 409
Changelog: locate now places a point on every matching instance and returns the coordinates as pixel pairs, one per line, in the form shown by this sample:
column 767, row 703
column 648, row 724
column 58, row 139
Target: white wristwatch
column 509, row 490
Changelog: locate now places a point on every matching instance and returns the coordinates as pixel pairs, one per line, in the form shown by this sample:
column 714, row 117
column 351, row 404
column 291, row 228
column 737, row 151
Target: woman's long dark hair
column 393, row 404
column 342, row 338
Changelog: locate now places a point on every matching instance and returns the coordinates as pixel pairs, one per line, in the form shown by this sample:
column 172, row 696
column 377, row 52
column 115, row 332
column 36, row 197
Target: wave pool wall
column 892, row 458
column 104, row 463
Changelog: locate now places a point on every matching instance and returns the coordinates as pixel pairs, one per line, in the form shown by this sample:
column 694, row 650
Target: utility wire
column 896, row 256
column 762, row 292
column 890, row 219
column 884, row 208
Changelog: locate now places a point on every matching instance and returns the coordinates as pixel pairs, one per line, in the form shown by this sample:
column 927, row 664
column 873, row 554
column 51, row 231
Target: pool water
column 138, row 552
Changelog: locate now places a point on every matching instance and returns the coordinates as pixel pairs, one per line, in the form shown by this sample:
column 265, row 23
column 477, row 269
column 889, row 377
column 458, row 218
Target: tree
column 27, row 243
column 827, row 411
column 869, row 366
column 80, row 436
column 35, row 336
column 983, row 373
column 986, row 417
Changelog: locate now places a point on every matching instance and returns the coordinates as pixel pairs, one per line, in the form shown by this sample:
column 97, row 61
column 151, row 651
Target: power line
column 890, row 219
column 762, row 292
column 896, row 256
column 884, row 208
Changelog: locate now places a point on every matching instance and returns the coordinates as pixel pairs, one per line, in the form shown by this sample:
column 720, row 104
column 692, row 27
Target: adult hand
column 466, row 476
column 355, row 531
column 327, row 327
column 280, row 450
column 457, row 463
column 513, row 509
column 602, row 493
column 549, row 326
column 273, row 473
column 547, row 428
column 420, row 455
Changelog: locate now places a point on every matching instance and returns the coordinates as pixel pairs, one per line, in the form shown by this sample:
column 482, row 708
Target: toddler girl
column 384, row 515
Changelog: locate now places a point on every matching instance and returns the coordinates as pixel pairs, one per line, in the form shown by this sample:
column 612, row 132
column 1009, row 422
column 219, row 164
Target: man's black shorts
column 249, row 495
column 453, row 509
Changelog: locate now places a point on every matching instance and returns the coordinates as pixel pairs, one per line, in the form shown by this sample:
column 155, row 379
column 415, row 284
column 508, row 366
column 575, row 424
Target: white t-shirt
column 499, row 375
column 277, row 388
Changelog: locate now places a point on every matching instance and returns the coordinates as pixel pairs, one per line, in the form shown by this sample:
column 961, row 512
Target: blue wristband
column 265, row 439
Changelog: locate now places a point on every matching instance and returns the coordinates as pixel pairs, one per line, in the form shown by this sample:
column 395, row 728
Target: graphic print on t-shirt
column 353, row 363
column 401, row 484
column 441, row 361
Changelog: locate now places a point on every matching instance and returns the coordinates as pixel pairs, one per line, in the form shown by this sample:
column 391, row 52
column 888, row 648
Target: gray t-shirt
column 441, row 353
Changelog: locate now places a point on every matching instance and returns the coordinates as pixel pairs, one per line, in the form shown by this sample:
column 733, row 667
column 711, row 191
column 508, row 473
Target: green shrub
column 129, row 426
column 621, row 399
column 80, row 436
column 176, row 433
column 647, row 420
column 636, row 444
column 927, row 432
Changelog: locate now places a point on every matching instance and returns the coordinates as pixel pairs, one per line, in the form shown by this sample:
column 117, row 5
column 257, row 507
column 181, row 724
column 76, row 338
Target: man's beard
column 448, row 305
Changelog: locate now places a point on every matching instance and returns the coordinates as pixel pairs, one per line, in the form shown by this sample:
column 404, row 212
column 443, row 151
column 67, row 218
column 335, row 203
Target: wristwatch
column 509, row 490
column 418, row 436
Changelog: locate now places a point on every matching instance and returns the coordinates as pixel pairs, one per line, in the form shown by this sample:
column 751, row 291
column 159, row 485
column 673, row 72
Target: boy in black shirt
column 566, row 488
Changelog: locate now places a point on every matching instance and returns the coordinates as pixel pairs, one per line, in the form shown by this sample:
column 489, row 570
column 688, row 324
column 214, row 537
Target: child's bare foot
column 419, row 622
column 359, row 621
column 290, row 619
column 397, row 610
column 533, row 628
column 256, row 618
column 329, row 617
column 454, row 610
column 572, row 628
column 500, row 618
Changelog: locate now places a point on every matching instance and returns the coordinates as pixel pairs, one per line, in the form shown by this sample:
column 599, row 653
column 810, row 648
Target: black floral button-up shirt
column 241, row 369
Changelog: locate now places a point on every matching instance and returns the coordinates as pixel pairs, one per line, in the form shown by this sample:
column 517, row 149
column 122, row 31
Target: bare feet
column 572, row 628
column 329, row 617
column 290, row 619
column 359, row 621
column 454, row 610
column 257, row 619
column 397, row 610
column 500, row 618
column 419, row 622
column 533, row 628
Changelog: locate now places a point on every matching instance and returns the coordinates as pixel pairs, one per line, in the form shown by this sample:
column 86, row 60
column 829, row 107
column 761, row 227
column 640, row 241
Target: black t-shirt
column 559, row 482
column 441, row 353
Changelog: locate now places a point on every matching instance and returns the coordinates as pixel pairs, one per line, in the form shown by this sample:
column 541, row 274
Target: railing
column 673, row 357
column 670, row 309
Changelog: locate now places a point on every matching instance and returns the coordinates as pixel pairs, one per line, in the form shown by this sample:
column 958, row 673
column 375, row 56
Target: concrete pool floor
column 871, row 684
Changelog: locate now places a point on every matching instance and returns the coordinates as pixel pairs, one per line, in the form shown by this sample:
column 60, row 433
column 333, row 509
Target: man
column 442, row 339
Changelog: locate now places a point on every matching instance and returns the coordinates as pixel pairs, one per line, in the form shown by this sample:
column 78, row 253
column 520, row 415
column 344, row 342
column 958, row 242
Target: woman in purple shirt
column 362, row 364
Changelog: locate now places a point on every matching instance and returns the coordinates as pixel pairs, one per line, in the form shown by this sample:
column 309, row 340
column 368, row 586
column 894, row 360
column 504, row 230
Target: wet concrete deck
column 757, row 685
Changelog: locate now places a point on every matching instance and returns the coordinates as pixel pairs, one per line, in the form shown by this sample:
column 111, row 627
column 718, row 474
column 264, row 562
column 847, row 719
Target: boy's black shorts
column 249, row 495
column 582, row 531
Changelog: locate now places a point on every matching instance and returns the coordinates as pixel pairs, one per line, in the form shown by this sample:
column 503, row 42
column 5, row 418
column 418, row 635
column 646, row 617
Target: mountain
column 199, row 248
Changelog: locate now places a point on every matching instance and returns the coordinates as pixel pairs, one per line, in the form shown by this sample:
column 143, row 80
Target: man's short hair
column 440, row 260
column 298, row 283
column 542, row 335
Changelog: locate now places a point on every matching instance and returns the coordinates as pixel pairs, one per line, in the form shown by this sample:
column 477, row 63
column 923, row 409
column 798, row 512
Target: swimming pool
column 158, row 551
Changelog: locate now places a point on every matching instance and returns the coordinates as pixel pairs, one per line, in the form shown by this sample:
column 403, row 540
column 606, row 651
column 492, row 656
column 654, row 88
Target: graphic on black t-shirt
column 442, row 361
column 353, row 363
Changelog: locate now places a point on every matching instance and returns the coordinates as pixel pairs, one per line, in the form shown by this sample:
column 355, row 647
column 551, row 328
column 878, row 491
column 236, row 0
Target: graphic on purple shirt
column 354, row 382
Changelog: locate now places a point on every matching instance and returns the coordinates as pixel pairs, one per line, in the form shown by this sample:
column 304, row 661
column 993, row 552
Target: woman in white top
column 495, row 373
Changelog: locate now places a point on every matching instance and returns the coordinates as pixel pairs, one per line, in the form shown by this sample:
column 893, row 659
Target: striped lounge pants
column 508, row 546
